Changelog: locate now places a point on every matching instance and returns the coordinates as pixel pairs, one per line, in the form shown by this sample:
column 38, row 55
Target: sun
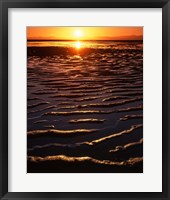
column 78, row 33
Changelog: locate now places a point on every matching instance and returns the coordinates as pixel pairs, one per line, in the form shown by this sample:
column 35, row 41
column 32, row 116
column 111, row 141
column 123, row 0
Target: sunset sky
column 84, row 33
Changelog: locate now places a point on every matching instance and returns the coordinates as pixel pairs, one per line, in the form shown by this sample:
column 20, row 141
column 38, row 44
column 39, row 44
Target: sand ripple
column 85, row 108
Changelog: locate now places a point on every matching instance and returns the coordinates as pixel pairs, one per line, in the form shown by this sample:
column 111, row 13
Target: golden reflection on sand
column 78, row 45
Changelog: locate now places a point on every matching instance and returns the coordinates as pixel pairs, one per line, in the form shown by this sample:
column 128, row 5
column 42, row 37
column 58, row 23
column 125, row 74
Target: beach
column 85, row 107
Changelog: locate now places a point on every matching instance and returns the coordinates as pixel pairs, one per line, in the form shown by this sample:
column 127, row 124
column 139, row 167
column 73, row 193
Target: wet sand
column 85, row 108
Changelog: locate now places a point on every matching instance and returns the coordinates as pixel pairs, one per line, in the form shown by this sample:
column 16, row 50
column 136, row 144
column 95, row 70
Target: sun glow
column 78, row 45
column 84, row 33
column 78, row 33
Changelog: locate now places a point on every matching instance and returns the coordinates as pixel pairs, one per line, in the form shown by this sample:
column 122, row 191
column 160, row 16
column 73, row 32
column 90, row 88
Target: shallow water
column 85, row 106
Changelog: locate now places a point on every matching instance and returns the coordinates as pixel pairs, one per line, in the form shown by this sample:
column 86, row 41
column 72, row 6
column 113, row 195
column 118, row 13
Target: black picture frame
column 4, row 5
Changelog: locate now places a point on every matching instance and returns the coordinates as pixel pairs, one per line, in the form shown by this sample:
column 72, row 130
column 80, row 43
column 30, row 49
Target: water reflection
column 78, row 45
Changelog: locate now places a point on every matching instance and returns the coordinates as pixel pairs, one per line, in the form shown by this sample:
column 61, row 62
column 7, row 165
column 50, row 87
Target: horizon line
column 46, row 40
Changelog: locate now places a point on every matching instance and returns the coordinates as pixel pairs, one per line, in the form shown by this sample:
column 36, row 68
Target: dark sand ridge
column 77, row 165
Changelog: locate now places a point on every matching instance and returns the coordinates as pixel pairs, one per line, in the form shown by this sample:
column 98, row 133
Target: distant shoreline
column 83, row 40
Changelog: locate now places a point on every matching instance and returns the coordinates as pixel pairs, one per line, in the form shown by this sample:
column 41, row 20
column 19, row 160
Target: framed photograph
column 84, row 99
